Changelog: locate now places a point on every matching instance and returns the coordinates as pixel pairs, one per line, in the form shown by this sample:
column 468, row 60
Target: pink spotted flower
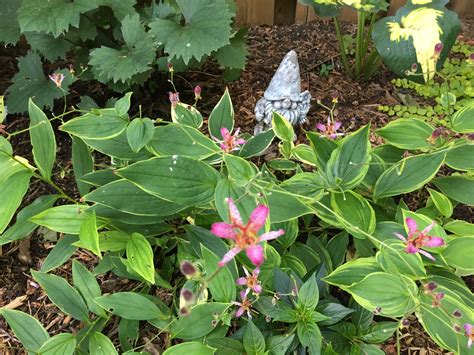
column 245, row 236
column 245, row 305
column 418, row 239
column 469, row 332
column 230, row 142
column 57, row 78
column 330, row 128
column 250, row 280
column 174, row 98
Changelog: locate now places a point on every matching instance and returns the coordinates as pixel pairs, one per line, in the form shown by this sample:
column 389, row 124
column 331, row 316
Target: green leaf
column 63, row 295
column 201, row 318
column 459, row 227
column 308, row 185
column 82, row 163
column 122, row 106
column 442, row 203
column 120, row 8
column 407, row 133
column 205, row 28
column 9, row 26
column 305, row 154
column 48, row 46
column 422, row 222
column 279, row 344
column 222, row 116
column 101, row 124
column 226, row 346
column 254, row 342
column 134, row 58
column 282, row 127
column 12, row 191
column 61, row 253
column 124, row 196
column 459, row 253
column 87, row 285
column 461, row 156
column 391, row 295
column 349, row 162
column 461, row 121
column 284, row 205
column 322, row 147
column 234, row 54
column 26, row 328
column 352, row 272
column 308, row 294
column 53, row 17
column 394, row 259
column 88, row 235
column 140, row 257
column 310, row 336
column 408, row 175
column 333, row 311
column 169, row 178
column 176, row 139
column 240, row 170
column 458, row 187
column 194, row 348
column 257, row 145
column 23, row 227
column 61, row 344
column 64, row 219
column 130, row 305
column 411, row 35
column 101, row 345
column 379, row 332
column 128, row 333
column 222, row 286
column 30, row 81
column 186, row 114
column 354, row 212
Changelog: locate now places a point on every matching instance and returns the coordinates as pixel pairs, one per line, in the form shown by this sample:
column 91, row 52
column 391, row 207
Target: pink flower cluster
column 230, row 142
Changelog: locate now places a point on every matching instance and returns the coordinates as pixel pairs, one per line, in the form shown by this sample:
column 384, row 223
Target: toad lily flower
column 469, row 331
column 330, row 129
column 251, row 281
column 418, row 239
column 245, row 236
column 57, row 78
column 230, row 142
column 245, row 305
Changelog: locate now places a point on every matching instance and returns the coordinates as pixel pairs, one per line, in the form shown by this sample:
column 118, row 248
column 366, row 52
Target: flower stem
column 36, row 125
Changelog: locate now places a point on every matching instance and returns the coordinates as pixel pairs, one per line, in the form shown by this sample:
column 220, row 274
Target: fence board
column 255, row 12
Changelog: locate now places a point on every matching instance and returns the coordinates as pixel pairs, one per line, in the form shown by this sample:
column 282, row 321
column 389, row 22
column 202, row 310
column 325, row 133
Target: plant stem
column 342, row 49
column 398, row 342
column 359, row 42
column 36, row 125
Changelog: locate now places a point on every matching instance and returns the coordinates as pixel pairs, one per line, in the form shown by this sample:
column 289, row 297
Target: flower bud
column 436, row 133
column 214, row 323
column 457, row 313
column 456, row 328
column 414, row 67
column 377, row 310
column 184, row 311
column 197, row 92
column 431, row 286
column 437, row 51
column 470, row 136
column 170, row 67
column 334, row 96
column 187, row 294
column 405, row 322
column 187, row 268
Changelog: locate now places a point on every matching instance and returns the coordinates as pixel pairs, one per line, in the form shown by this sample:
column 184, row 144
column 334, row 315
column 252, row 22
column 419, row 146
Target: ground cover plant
column 314, row 251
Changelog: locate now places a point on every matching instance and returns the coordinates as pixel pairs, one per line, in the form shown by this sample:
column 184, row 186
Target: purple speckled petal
column 271, row 235
column 425, row 253
column 432, row 242
column 229, row 256
column 241, row 281
column 412, row 226
column 255, row 254
column 427, row 229
column 257, row 219
column 401, row 237
column 234, row 214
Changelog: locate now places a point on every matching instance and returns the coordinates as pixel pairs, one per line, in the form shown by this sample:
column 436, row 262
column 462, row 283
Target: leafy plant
column 118, row 43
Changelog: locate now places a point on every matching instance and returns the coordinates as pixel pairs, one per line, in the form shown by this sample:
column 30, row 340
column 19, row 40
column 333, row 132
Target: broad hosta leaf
column 192, row 347
column 30, row 81
column 186, row 114
column 240, row 170
column 222, row 286
column 101, row 124
column 462, row 121
column 407, row 133
column 206, row 28
column 139, row 133
column 82, row 163
column 140, row 257
column 176, row 139
column 254, row 342
column 460, row 227
column 48, row 46
column 408, row 175
column 234, row 54
column 63, row 295
column 458, row 187
column 170, row 178
column 349, row 162
column 23, row 227
column 393, row 295
column 130, row 305
column 53, row 16
column 124, row 196
column 354, row 212
column 461, row 156
column 42, row 140
column 132, row 59
column 459, row 254
column 61, row 344
column 9, row 26
column 411, row 35
column 87, row 285
column 100, row 344
column 222, row 116
column 12, row 191
column 257, row 145
column 352, row 272
column 26, row 328
column 201, row 318
column 64, row 219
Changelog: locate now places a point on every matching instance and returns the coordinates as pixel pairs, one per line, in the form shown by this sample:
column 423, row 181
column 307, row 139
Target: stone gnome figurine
column 284, row 96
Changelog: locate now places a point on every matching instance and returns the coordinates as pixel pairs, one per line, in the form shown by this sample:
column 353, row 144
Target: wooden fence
column 281, row 12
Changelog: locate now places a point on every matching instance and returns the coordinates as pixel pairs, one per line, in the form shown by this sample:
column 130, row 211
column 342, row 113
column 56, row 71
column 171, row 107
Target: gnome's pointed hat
column 286, row 82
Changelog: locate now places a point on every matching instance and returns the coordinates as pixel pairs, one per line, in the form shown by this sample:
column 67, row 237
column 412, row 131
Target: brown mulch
column 315, row 44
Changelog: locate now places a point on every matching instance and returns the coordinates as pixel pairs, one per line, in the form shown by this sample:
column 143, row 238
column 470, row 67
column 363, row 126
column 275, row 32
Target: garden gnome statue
column 283, row 95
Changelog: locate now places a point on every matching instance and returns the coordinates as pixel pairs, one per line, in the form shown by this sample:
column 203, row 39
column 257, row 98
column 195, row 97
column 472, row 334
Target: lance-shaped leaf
column 88, row 235
column 139, row 132
column 407, row 133
column 222, row 116
column 458, row 187
column 64, row 344
column 82, row 163
column 140, row 257
column 12, row 191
